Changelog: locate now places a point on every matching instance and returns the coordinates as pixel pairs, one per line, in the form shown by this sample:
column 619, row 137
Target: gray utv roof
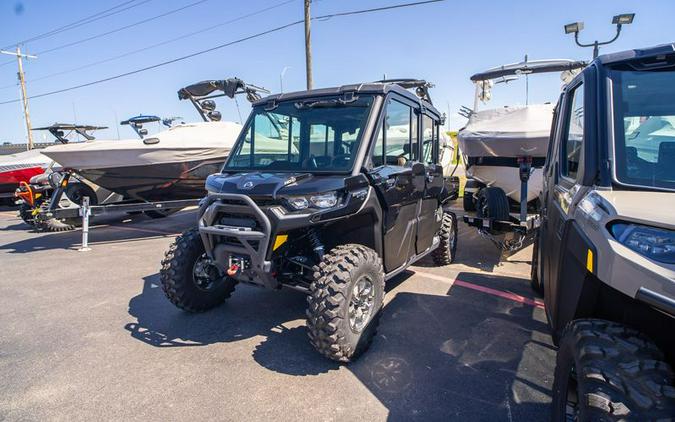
column 638, row 53
column 363, row 88
column 529, row 67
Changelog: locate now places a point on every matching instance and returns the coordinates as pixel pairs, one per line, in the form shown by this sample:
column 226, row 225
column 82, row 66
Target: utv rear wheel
column 536, row 281
column 606, row 371
column 493, row 203
column 345, row 301
column 445, row 253
column 188, row 277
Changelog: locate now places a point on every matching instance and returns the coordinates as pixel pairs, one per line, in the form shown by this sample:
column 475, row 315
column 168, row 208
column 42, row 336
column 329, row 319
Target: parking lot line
column 494, row 292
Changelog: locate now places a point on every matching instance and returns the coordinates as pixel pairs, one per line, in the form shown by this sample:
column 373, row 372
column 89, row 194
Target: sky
column 444, row 43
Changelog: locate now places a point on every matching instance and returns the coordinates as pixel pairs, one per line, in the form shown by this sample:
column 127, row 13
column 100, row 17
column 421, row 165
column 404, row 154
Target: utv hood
column 651, row 208
column 273, row 184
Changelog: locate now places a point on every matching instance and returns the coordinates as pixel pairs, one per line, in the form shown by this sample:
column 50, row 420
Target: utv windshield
column 644, row 113
column 320, row 134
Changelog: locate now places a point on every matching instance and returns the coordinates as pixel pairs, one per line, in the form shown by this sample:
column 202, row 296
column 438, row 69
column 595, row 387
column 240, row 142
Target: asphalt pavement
column 90, row 336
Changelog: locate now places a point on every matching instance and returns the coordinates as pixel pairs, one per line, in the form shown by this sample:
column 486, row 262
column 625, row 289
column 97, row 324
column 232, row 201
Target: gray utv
column 604, row 256
column 330, row 192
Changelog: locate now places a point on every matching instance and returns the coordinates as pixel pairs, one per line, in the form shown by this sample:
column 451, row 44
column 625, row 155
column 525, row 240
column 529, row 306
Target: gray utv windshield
column 644, row 113
column 316, row 135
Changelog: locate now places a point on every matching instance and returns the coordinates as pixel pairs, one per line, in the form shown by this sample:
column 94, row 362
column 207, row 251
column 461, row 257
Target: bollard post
column 84, row 212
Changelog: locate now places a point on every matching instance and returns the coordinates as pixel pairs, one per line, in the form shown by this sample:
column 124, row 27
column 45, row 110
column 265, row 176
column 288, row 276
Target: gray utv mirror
column 208, row 105
column 215, row 116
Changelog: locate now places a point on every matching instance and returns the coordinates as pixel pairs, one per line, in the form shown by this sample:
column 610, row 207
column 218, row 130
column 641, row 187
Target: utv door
column 398, row 180
column 428, row 220
column 559, row 190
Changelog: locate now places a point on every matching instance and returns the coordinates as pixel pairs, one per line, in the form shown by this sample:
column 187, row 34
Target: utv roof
column 529, row 67
column 378, row 87
column 637, row 54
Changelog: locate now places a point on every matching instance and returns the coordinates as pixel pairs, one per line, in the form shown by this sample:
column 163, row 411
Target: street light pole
column 308, row 45
column 22, row 82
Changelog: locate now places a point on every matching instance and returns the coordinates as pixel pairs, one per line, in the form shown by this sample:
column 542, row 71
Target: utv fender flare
column 577, row 286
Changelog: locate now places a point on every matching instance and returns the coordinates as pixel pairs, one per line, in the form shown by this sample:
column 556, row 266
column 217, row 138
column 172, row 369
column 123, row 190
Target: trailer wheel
column 444, row 254
column 493, row 203
column 468, row 201
column 189, row 279
column 606, row 371
column 26, row 214
column 345, row 301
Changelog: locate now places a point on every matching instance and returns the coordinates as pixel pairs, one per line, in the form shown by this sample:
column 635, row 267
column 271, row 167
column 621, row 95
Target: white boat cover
column 182, row 143
column 508, row 132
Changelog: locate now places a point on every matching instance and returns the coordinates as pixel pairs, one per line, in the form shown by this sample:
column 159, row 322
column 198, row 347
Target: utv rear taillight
column 652, row 242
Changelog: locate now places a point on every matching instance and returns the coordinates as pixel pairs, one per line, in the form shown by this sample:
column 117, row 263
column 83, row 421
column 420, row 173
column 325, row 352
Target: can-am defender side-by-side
column 330, row 192
column 605, row 252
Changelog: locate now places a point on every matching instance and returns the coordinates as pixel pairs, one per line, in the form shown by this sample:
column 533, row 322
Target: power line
column 83, row 21
column 170, row 12
column 238, row 41
column 162, row 43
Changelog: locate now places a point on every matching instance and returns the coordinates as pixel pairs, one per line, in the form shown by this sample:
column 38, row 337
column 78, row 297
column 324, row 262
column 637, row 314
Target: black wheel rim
column 572, row 397
column 205, row 274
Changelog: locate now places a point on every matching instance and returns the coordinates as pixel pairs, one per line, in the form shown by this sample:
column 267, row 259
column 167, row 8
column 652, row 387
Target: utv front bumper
column 247, row 243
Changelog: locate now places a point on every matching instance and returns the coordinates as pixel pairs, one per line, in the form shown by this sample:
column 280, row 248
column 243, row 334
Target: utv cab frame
column 329, row 192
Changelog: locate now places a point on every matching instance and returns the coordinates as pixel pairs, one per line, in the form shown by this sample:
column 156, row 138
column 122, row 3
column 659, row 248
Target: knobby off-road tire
column 619, row 374
column 536, row 282
column 178, row 279
column 445, row 253
column 328, row 315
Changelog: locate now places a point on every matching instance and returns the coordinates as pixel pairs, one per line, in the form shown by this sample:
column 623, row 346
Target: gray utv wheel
column 345, row 301
column 606, row 372
column 492, row 203
column 445, row 253
column 468, row 200
column 189, row 279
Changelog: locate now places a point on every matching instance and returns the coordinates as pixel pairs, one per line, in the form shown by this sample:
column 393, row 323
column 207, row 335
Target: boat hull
column 158, row 182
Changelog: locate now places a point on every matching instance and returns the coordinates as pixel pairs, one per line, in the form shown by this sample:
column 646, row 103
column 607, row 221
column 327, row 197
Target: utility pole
column 24, row 97
column 308, row 45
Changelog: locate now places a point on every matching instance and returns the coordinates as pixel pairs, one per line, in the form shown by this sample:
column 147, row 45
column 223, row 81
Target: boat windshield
column 317, row 135
column 644, row 113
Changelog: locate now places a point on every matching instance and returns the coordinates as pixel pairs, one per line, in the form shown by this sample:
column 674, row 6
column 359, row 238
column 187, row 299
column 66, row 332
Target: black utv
column 605, row 251
column 330, row 192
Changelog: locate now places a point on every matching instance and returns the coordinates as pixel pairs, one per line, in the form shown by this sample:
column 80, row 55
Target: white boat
column 495, row 141
column 170, row 165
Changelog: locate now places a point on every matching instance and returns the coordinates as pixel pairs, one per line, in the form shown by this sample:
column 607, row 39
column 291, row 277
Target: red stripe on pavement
column 494, row 292
column 499, row 293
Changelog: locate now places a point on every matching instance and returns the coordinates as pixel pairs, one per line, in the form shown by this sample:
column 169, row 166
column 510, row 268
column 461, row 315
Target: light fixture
column 575, row 27
column 623, row 19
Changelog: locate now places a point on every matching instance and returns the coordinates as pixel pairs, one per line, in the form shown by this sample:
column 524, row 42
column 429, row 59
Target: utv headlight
column 654, row 243
column 321, row 201
column 324, row 200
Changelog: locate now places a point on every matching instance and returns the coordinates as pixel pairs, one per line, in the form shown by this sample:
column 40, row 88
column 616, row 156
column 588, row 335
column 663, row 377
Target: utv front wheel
column 606, row 371
column 445, row 253
column 189, row 279
column 345, row 301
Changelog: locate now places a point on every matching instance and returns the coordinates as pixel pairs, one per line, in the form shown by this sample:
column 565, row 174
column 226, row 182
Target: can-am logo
column 248, row 185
